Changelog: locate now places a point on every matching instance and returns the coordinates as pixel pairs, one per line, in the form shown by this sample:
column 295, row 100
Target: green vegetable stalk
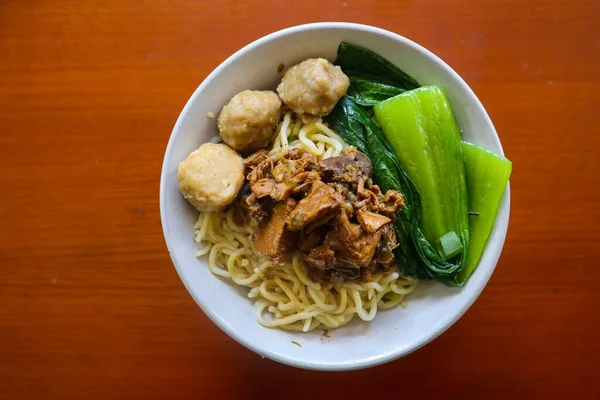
column 487, row 175
column 420, row 127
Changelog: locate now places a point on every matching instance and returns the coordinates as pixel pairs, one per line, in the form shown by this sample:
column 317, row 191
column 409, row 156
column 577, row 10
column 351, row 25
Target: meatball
column 211, row 176
column 249, row 120
column 313, row 87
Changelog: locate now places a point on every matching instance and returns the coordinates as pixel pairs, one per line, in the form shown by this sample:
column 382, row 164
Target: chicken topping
column 273, row 238
column 330, row 211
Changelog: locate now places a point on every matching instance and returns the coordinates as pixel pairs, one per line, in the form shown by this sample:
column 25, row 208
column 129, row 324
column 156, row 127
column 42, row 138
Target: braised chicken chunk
column 322, row 200
column 273, row 238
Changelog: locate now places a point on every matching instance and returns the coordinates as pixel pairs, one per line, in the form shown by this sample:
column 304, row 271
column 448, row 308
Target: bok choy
column 487, row 175
column 420, row 127
column 417, row 151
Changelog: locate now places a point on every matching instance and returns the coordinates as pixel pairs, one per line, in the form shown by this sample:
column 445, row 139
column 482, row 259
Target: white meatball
column 211, row 176
column 249, row 120
column 313, row 87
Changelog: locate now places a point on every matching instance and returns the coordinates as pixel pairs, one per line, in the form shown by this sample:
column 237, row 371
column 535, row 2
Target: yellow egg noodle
column 284, row 295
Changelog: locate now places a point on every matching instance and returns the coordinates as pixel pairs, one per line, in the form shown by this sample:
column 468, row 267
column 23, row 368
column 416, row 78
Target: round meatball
column 313, row 87
column 211, row 176
column 249, row 120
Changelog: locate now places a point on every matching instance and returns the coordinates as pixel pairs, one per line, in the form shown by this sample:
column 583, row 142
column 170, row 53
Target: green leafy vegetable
column 368, row 93
column 372, row 77
column 358, row 62
column 487, row 175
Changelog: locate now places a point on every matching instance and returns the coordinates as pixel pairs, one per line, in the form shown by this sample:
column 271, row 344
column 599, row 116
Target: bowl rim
column 265, row 352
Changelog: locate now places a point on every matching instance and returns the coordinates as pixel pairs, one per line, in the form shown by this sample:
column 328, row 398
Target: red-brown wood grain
column 90, row 305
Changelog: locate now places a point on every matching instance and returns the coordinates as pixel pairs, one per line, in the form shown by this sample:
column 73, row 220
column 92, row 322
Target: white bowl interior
column 394, row 333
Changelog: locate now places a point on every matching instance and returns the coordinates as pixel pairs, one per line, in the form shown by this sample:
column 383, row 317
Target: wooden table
column 90, row 305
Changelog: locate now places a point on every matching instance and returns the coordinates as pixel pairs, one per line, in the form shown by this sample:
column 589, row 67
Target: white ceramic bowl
column 392, row 334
